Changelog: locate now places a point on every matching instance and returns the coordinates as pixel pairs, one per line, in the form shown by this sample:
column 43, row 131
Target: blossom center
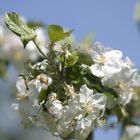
column 101, row 59
column 123, row 86
column 43, row 79
column 88, row 108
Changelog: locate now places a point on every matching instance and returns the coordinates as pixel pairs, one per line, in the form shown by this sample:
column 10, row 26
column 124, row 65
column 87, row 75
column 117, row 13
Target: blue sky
column 111, row 21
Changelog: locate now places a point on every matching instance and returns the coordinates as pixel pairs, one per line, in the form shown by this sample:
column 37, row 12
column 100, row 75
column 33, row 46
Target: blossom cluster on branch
column 73, row 89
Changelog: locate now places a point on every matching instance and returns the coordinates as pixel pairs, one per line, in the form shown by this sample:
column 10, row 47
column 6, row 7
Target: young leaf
column 85, row 58
column 56, row 33
column 19, row 27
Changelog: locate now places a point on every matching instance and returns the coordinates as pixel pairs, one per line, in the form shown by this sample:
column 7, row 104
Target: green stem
column 90, row 137
column 35, row 42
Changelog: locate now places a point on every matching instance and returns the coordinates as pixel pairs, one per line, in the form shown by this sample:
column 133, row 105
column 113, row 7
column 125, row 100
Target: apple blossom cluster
column 115, row 72
column 72, row 90
column 75, row 116
column 81, row 110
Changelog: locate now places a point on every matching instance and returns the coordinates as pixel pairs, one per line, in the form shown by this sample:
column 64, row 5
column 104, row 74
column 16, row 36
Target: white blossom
column 71, row 111
column 93, row 104
column 107, row 61
column 27, row 98
column 81, row 112
column 124, row 82
column 28, row 92
column 55, row 108
column 42, row 81
column 21, row 86
column 132, row 132
column 83, row 128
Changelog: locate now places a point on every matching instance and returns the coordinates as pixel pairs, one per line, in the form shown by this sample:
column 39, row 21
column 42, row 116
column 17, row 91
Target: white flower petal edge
column 85, row 94
column 97, row 70
column 20, row 85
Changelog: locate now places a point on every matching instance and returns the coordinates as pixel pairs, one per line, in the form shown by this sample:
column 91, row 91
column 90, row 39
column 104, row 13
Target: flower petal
column 97, row 70
column 85, row 93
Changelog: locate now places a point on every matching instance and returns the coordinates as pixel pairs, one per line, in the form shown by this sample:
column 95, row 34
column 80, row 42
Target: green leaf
column 111, row 100
column 42, row 96
column 19, row 27
column 73, row 76
column 56, row 33
column 85, row 58
column 72, row 59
